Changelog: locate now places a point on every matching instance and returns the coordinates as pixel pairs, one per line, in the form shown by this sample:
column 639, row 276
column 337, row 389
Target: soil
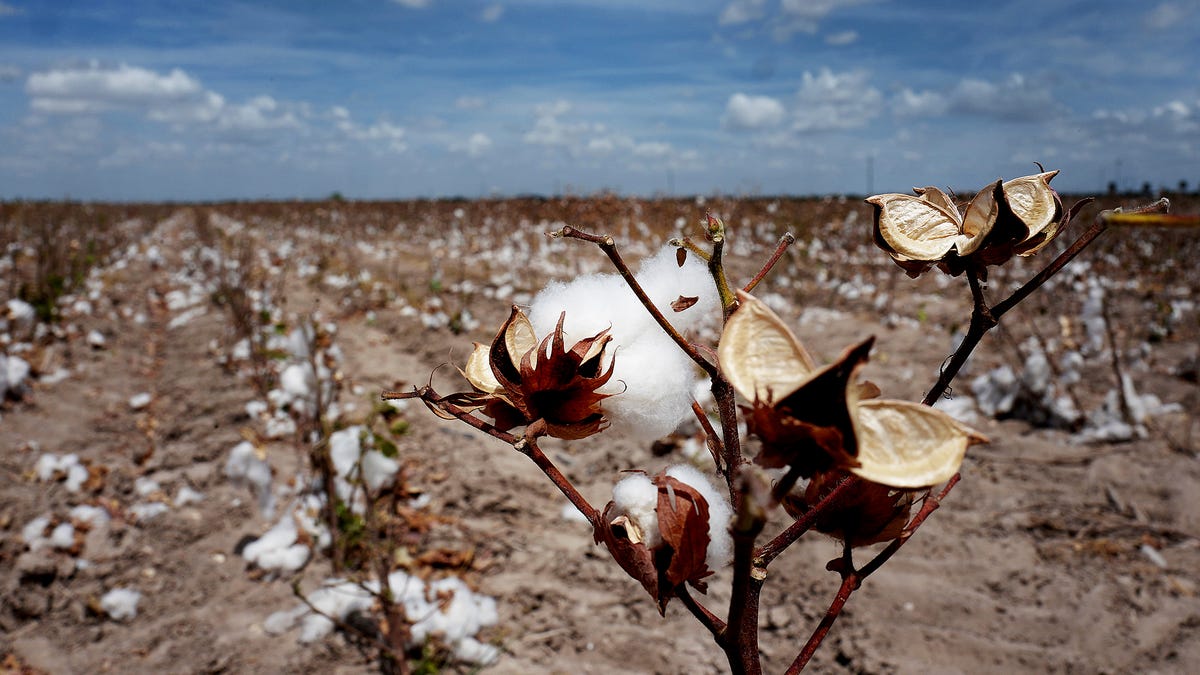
column 1050, row 556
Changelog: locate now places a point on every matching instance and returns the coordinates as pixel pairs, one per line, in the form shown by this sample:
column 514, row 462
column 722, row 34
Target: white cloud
column 805, row 16
column 841, row 39
column 477, row 145
column 128, row 155
column 412, row 4
column 752, row 112
column 9, row 73
column 742, row 11
column 492, row 13
column 1016, row 99
column 8, row 10
column 93, row 88
column 386, row 132
column 829, row 101
column 909, row 103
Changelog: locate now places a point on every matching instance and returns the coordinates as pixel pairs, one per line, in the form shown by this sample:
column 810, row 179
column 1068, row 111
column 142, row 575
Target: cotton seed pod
column 519, row 380
column 658, row 530
column 864, row 514
column 817, row 419
column 1017, row 217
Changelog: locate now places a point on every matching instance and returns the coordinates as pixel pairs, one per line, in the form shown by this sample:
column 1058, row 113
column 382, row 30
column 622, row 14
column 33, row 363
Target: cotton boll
column 378, row 470
column 636, row 497
column 720, row 544
column 33, row 534
column 148, row 510
column 94, row 516
column 471, row 650
column 593, row 303
column 63, row 536
column 665, row 281
column 652, row 381
column 120, row 603
column 277, row 548
column 338, row 599
column 297, row 382
column 244, row 466
column 187, row 495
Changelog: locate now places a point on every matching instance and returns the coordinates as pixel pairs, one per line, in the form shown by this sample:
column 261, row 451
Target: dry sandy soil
column 1050, row 556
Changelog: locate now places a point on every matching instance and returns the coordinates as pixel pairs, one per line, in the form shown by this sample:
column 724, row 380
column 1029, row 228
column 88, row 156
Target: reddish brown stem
column 711, row 439
column 524, row 445
column 804, row 523
column 709, row 620
column 850, row 581
column 784, row 242
column 609, row 247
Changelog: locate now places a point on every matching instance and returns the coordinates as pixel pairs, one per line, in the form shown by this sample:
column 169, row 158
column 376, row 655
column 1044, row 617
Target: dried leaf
column 680, row 256
column 478, row 370
column 683, row 302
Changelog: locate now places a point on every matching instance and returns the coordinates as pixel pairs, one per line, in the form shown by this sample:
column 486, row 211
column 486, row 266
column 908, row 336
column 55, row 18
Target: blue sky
column 137, row 99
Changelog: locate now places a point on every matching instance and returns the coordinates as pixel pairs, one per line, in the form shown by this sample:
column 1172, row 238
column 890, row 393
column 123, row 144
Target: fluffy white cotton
column 277, row 548
column 720, row 541
column 120, row 603
column 14, row 370
column 187, row 495
column 148, row 510
column 456, row 622
column 34, row 532
column 636, row 497
column 94, row 516
column 352, row 465
column 63, row 536
column 50, row 466
column 244, row 466
column 652, row 376
column 140, row 401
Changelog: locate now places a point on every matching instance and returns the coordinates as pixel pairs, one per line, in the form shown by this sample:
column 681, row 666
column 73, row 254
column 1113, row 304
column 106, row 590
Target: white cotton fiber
column 636, row 497
column 720, row 541
column 120, row 603
column 277, row 548
column 34, row 532
column 652, row 377
column 63, row 536
column 244, row 466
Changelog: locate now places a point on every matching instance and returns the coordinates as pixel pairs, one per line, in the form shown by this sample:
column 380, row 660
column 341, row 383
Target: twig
column 784, row 242
column 711, row 439
column 609, row 247
column 705, row 617
column 526, row 445
column 804, row 523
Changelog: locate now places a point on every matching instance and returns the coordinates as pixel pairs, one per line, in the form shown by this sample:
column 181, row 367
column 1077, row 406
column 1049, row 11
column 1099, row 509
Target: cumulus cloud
column 475, row 146
column 412, row 4
column 744, row 112
column 592, row 140
column 830, row 101
column 174, row 98
column 94, row 88
column 910, row 103
column 391, row 135
column 1015, row 99
column 805, row 16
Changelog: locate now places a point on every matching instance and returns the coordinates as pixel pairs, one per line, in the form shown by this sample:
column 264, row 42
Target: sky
column 205, row 100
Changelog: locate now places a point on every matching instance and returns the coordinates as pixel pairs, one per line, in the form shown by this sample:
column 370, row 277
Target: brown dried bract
column 678, row 557
column 519, row 380
column 864, row 514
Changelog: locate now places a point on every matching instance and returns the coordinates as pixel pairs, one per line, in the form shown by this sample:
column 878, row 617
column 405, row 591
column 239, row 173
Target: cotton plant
column 621, row 353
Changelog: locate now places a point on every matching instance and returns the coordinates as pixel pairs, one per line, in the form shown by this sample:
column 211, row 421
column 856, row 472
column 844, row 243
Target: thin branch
column 804, row 523
column 709, row 620
column 716, row 265
column 526, row 445
column 784, row 242
column 609, row 247
column 932, row 502
column 850, row 582
column 711, row 439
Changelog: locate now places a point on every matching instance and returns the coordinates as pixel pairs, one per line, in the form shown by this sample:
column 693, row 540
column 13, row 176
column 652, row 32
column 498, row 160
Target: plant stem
column 804, row 523
column 609, row 247
column 784, row 242
column 525, row 445
column 709, row 620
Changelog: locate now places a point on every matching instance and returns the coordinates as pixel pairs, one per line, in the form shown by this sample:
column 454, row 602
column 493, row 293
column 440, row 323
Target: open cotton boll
column 277, row 548
column 33, row 534
column 652, row 381
column 120, row 603
column 636, row 497
column 665, row 281
column 720, row 541
column 378, row 470
column 63, row 536
column 652, row 377
column 244, row 466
